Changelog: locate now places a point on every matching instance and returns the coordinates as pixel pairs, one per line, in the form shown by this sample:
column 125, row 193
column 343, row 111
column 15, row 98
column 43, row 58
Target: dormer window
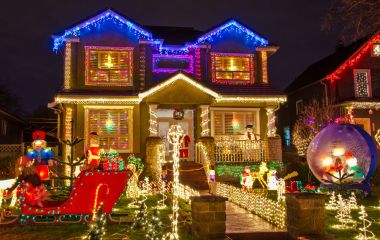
column 109, row 66
column 362, row 79
column 232, row 68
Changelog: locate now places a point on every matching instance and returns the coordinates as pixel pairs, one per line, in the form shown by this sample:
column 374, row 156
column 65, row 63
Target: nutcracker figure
column 41, row 155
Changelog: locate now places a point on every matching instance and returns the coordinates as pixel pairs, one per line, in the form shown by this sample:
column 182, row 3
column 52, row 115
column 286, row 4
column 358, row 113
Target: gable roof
column 232, row 25
column 322, row 68
column 185, row 36
column 92, row 22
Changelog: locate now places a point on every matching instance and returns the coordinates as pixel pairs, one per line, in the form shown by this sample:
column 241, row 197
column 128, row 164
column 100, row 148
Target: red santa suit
column 92, row 155
column 184, row 150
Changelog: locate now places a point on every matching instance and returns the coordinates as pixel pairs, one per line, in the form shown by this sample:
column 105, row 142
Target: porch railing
column 240, row 151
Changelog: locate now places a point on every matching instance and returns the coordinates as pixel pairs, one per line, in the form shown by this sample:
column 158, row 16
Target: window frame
column 369, row 84
column 232, row 81
column 155, row 69
column 88, row 82
column 130, row 124
column 221, row 109
column 299, row 106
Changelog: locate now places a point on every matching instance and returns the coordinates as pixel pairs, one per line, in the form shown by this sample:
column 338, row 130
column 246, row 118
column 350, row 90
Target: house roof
column 261, row 89
column 14, row 117
column 322, row 68
column 184, row 36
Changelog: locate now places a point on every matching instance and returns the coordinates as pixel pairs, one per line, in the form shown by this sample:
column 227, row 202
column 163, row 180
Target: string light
column 264, row 66
column 271, row 125
column 96, row 199
column 256, row 202
column 352, row 201
column 153, row 125
column 175, row 136
column 343, row 214
column 156, row 58
column 205, row 120
column 332, row 204
column 198, row 73
column 67, row 76
column 362, row 83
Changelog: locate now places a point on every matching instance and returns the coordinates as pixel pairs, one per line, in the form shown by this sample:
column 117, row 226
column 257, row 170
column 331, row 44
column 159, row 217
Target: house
column 348, row 80
column 126, row 81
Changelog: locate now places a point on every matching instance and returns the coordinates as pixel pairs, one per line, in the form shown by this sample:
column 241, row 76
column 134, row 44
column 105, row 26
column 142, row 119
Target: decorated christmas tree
column 96, row 230
column 364, row 234
column 141, row 220
column 344, row 214
column 352, row 201
column 154, row 229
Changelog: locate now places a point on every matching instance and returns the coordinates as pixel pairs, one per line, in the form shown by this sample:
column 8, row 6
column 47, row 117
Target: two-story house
column 348, row 80
column 125, row 82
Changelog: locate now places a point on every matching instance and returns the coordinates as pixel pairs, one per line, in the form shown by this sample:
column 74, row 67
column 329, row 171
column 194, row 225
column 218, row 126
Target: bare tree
column 355, row 18
column 312, row 120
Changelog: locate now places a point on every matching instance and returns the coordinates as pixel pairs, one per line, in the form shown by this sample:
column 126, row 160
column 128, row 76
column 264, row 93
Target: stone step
column 259, row 236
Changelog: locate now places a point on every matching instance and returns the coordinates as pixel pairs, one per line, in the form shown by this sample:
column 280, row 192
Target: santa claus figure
column 93, row 153
column 41, row 155
column 246, row 179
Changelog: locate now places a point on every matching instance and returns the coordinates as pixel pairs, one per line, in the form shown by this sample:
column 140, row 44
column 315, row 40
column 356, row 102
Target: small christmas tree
column 154, row 231
column 364, row 234
column 140, row 221
column 344, row 214
column 352, row 201
column 96, row 230
column 332, row 204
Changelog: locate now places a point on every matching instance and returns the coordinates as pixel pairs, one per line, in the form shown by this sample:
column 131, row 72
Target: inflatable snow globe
column 342, row 154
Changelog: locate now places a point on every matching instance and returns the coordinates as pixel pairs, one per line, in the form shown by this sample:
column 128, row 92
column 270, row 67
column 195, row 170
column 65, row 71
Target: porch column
column 271, row 125
column 153, row 126
column 205, row 120
column 68, row 131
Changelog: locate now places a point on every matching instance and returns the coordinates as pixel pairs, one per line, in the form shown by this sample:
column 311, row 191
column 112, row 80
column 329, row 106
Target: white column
column 205, row 120
column 271, row 125
column 153, row 125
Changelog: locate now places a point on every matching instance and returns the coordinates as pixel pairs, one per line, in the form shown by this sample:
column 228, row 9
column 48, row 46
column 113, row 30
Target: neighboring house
column 125, row 82
column 11, row 138
column 348, row 80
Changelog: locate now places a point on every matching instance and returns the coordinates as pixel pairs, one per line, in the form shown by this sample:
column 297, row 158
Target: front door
column 165, row 120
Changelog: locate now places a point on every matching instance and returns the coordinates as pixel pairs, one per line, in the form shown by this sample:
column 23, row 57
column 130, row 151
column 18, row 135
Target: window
column 232, row 68
column 299, row 107
column 172, row 63
column 227, row 123
column 3, row 127
column 287, row 136
column 362, row 79
column 376, row 49
column 114, row 127
column 109, row 66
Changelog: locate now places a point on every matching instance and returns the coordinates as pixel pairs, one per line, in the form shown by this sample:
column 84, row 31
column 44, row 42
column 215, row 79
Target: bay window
column 113, row 125
column 109, row 66
column 232, row 68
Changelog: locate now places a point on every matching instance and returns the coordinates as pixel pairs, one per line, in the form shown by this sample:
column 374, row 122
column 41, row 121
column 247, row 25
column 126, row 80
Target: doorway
column 165, row 120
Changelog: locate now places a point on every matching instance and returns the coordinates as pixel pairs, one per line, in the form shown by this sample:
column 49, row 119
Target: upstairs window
column 232, row 68
column 362, row 79
column 109, row 66
column 376, row 49
column 172, row 63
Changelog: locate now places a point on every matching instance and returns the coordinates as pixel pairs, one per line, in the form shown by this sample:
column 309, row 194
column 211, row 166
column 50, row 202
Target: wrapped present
column 121, row 165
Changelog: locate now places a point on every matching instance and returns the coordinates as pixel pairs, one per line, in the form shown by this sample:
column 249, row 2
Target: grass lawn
column 372, row 208
column 113, row 231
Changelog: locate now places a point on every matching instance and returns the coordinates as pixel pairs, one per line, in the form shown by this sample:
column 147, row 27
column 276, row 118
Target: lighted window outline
column 232, row 81
column 129, row 109
column 254, row 111
column 369, row 87
column 375, row 44
column 88, row 81
column 171, row 70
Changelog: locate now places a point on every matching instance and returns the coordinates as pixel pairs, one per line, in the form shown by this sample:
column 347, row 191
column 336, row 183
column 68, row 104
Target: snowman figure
column 272, row 179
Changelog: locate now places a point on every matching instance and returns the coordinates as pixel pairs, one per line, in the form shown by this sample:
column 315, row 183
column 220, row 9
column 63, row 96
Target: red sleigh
column 90, row 189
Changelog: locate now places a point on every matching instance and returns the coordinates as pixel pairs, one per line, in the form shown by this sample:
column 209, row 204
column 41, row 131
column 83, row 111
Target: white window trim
column 369, row 86
column 212, row 109
column 299, row 111
column 130, row 124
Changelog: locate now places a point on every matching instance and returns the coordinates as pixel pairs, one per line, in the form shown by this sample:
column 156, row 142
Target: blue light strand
column 95, row 22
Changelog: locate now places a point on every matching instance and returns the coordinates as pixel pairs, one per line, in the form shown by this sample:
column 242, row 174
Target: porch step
column 191, row 174
column 259, row 236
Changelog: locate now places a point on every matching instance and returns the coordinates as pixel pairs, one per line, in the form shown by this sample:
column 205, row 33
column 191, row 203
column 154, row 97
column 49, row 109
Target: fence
column 240, row 151
column 256, row 202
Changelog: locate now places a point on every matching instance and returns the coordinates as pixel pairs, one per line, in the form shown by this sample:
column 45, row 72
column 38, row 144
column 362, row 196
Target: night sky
column 34, row 73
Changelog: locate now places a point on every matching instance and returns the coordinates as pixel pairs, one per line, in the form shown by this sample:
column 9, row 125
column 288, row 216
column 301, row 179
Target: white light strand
column 332, row 204
column 344, row 214
column 365, row 234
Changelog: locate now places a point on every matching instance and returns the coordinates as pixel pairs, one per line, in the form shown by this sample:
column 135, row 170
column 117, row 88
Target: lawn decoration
column 154, row 229
column 93, row 153
column 96, row 227
column 332, row 204
column 352, row 201
column 343, row 155
column 246, row 179
column 365, row 233
column 41, row 154
column 272, row 179
column 136, row 166
column 344, row 214
column 141, row 219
